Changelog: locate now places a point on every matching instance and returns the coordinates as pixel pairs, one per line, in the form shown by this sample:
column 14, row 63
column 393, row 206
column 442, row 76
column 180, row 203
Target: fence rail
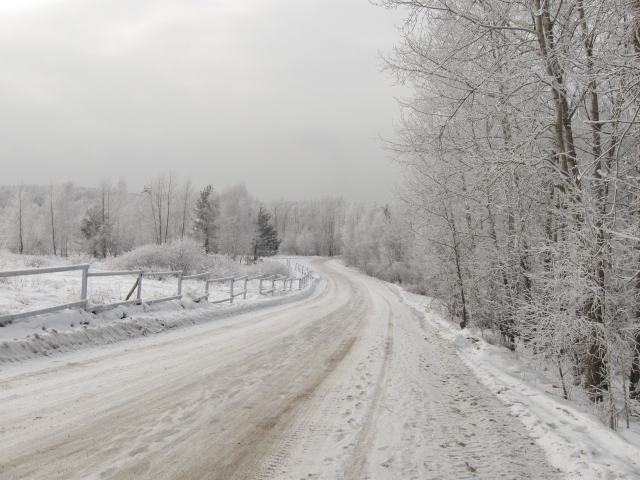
column 137, row 287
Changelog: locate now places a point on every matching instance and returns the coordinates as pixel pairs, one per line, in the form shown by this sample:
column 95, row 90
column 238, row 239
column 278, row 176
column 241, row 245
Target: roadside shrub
column 189, row 256
column 186, row 255
column 36, row 261
column 219, row 266
column 271, row 267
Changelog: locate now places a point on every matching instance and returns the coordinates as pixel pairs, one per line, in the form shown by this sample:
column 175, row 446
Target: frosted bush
column 219, row 266
column 36, row 261
column 145, row 257
column 189, row 256
column 184, row 255
column 272, row 267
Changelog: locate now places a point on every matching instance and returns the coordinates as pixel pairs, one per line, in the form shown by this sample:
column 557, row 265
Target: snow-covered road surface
column 350, row 383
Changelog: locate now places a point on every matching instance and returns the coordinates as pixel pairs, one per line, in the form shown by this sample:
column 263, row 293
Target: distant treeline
column 108, row 221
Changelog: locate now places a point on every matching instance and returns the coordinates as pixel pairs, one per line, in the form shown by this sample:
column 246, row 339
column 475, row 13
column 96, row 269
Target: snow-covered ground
column 74, row 329
column 352, row 379
column 33, row 292
column 575, row 440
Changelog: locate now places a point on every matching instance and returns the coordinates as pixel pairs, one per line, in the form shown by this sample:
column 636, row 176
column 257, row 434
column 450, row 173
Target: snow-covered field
column 351, row 378
column 75, row 329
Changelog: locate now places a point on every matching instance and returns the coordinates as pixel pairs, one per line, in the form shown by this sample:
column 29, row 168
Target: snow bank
column 576, row 442
column 75, row 329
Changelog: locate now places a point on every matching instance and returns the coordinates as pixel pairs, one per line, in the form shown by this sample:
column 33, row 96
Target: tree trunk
column 634, row 374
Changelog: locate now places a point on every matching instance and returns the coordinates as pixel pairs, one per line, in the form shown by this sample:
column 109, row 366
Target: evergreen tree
column 96, row 229
column 266, row 243
column 204, row 223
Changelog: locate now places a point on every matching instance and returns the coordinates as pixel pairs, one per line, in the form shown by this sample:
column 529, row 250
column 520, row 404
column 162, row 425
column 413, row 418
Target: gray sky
column 284, row 95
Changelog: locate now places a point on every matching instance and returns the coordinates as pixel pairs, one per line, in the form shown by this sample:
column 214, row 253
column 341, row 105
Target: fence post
column 246, row 280
column 206, row 287
column 180, row 283
column 83, row 290
column 273, row 286
column 231, row 288
column 139, row 292
column 261, row 285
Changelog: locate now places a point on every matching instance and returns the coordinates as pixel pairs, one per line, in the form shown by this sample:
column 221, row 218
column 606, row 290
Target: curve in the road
column 348, row 384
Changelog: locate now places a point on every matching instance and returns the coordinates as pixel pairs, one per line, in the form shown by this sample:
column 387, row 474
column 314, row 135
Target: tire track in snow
column 272, row 434
column 260, row 452
column 366, row 440
column 451, row 426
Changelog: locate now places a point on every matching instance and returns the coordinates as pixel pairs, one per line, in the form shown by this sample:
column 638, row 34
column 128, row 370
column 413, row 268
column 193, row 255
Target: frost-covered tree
column 97, row 226
column 520, row 142
column 161, row 194
column 186, row 204
column 374, row 238
column 19, row 212
column 311, row 227
column 52, row 217
column 205, row 214
column 68, row 218
column 237, row 222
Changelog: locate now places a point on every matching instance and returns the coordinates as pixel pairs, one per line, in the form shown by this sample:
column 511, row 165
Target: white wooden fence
column 137, row 287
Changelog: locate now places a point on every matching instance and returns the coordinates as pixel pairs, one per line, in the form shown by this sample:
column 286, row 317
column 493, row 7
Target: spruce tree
column 266, row 243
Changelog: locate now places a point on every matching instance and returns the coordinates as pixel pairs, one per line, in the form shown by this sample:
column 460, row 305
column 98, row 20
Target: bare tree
column 161, row 194
column 52, row 217
column 186, row 200
column 19, row 215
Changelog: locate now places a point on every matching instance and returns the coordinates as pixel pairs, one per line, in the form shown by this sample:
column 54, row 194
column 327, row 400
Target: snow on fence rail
column 232, row 282
column 306, row 274
column 36, row 271
column 137, row 287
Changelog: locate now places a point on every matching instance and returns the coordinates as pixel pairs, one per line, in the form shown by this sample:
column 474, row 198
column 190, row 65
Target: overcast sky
column 284, row 95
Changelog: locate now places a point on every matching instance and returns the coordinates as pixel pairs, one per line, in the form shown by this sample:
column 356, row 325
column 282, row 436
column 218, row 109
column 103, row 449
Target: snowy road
column 348, row 384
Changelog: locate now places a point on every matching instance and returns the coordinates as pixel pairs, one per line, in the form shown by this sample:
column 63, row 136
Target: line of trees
column 109, row 221
column 520, row 146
